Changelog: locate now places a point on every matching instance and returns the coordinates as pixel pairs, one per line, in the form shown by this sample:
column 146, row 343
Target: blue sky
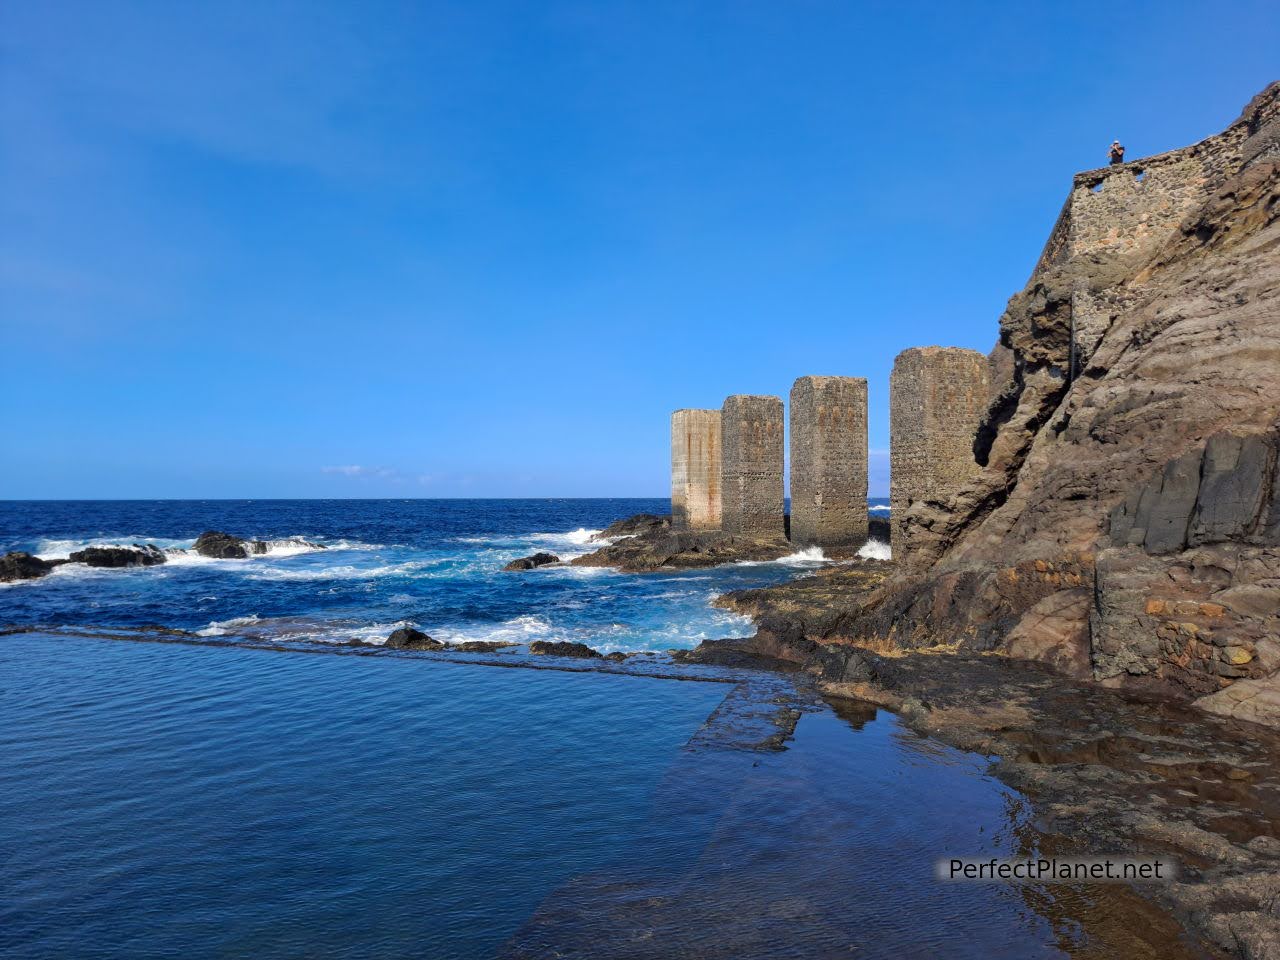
column 482, row 249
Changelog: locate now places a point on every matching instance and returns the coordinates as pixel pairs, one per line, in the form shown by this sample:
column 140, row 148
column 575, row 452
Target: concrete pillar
column 751, row 484
column 695, row 470
column 937, row 395
column 829, row 461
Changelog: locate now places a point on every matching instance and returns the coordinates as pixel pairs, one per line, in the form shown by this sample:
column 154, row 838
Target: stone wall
column 937, row 395
column 1134, row 208
column 829, row 461
column 751, row 472
column 695, row 470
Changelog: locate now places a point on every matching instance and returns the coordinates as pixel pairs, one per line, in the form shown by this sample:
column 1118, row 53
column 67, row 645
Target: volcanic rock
column 17, row 565
column 221, row 546
column 631, row 526
column 407, row 638
column 662, row 547
column 1124, row 523
column 532, row 562
column 562, row 648
column 139, row 555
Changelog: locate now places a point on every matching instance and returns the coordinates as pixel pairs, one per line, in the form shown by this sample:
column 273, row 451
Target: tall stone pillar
column 751, row 484
column 829, row 461
column 937, row 395
column 695, row 470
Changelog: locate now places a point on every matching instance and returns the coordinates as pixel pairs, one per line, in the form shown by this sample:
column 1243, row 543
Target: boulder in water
column 139, row 555
column 530, row 563
column 562, row 648
column 18, row 565
column 407, row 638
column 221, row 546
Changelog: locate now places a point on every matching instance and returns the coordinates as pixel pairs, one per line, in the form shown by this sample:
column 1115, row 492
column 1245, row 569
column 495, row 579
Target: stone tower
column 695, row 470
column 937, row 395
column 829, row 461
column 751, row 474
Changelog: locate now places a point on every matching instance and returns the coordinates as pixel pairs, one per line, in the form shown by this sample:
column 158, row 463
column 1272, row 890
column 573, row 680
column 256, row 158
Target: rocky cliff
column 1125, row 523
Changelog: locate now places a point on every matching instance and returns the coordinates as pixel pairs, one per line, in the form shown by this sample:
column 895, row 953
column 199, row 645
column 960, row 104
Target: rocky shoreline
column 213, row 544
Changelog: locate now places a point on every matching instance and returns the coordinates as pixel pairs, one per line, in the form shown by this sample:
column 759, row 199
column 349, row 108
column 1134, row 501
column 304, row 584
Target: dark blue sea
column 210, row 799
column 433, row 564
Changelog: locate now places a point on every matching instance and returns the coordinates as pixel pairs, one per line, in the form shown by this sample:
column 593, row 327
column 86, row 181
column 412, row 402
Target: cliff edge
column 1124, row 525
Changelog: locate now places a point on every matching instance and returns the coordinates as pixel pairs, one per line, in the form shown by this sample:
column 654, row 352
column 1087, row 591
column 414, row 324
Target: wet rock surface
column 532, row 562
column 661, row 547
column 139, row 555
column 407, row 638
column 225, row 546
column 18, row 565
column 633, row 525
column 823, row 605
column 221, row 546
column 1109, row 774
column 562, row 648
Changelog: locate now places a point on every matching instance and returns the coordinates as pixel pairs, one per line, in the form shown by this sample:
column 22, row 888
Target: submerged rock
column 532, row 562
column 562, row 648
column 139, row 555
column 17, row 565
column 482, row 646
column 407, row 638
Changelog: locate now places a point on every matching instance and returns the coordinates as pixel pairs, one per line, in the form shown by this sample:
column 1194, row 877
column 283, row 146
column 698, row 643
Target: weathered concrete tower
column 751, row 477
column 937, row 395
column 695, row 470
column 829, row 461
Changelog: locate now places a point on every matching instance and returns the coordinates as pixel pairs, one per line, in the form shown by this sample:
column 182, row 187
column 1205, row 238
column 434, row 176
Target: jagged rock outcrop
column 630, row 526
column 221, row 546
column 19, row 565
column 407, row 638
column 660, row 547
column 1122, row 525
column 563, row 648
column 139, row 555
column 225, row 546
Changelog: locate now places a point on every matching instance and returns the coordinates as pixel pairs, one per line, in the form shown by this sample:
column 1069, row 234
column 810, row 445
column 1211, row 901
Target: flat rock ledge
column 661, row 548
column 1109, row 772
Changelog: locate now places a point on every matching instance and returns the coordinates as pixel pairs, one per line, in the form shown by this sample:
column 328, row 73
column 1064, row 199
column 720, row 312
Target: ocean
column 207, row 798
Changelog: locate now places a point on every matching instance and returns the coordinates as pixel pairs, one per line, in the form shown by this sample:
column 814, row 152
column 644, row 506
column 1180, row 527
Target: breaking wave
column 875, row 550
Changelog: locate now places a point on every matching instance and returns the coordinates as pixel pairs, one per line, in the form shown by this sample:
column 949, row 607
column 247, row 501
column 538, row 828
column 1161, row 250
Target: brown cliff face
column 1125, row 525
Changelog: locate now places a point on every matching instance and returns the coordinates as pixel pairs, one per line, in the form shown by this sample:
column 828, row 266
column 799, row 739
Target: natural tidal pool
column 182, row 801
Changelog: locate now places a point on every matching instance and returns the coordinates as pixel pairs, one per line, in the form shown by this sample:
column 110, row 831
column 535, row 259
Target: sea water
column 433, row 564
column 188, row 801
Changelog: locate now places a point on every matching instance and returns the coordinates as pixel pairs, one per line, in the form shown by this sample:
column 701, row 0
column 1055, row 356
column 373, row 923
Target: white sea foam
column 577, row 537
column 53, row 549
column 879, row 508
column 220, row 628
column 180, row 551
column 524, row 629
column 344, row 571
column 875, row 550
column 809, row 556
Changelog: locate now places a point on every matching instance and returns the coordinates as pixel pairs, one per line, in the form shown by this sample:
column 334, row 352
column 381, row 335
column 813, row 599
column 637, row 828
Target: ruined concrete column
column 751, row 473
column 829, row 461
column 695, row 470
column 937, row 395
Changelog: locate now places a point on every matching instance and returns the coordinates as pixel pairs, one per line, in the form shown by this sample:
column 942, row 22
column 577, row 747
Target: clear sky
column 273, row 249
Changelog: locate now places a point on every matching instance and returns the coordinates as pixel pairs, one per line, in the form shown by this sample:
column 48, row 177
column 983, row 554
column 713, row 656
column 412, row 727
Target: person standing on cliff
column 1117, row 152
